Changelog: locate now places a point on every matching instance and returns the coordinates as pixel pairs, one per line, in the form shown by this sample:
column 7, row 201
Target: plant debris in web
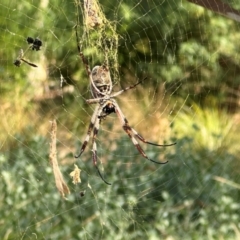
column 18, row 61
column 92, row 13
column 75, row 174
column 35, row 44
column 60, row 183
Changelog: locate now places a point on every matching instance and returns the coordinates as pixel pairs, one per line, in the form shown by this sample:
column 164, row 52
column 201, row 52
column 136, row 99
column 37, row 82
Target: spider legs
column 133, row 134
column 127, row 88
column 136, row 134
column 93, row 126
column 94, row 150
column 128, row 130
column 81, row 54
column 90, row 128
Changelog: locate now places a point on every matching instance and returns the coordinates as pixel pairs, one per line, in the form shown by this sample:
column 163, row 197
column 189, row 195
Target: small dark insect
column 20, row 59
column 36, row 43
column 17, row 62
column 82, row 193
column 30, row 40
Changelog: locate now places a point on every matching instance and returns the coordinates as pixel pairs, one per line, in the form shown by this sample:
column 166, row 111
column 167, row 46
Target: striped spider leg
column 133, row 134
column 94, row 127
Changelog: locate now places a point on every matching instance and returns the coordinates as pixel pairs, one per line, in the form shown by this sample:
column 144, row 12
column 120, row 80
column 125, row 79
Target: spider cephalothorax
column 101, row 84
column 101, row 89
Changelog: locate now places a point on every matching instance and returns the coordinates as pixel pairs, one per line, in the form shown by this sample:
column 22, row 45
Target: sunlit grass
column 17, row 113
column 23, row 115
column 209, row 128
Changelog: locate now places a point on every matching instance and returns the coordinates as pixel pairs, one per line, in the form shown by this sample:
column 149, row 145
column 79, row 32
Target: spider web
column 190, row 59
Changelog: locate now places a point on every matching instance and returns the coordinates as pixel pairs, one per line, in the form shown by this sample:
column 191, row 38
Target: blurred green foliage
column 188, row 54
column 173, row 42
column 181, row 199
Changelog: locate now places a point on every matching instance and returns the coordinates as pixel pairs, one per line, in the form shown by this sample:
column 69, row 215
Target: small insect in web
column 20, row 59
column 82, row 193
column 35, row 44
column 101, row 90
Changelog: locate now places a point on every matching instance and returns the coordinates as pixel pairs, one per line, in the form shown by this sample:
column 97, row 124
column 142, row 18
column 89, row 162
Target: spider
column 101, row 90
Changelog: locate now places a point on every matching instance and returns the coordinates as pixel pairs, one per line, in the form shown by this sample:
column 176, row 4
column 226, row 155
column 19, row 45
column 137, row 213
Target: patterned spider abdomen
column 101, row 84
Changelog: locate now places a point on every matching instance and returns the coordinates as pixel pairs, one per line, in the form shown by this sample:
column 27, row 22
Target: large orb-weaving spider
column 101, row 90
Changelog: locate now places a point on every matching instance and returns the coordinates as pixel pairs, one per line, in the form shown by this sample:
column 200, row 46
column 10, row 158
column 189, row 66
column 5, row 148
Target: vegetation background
column 191, row 95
